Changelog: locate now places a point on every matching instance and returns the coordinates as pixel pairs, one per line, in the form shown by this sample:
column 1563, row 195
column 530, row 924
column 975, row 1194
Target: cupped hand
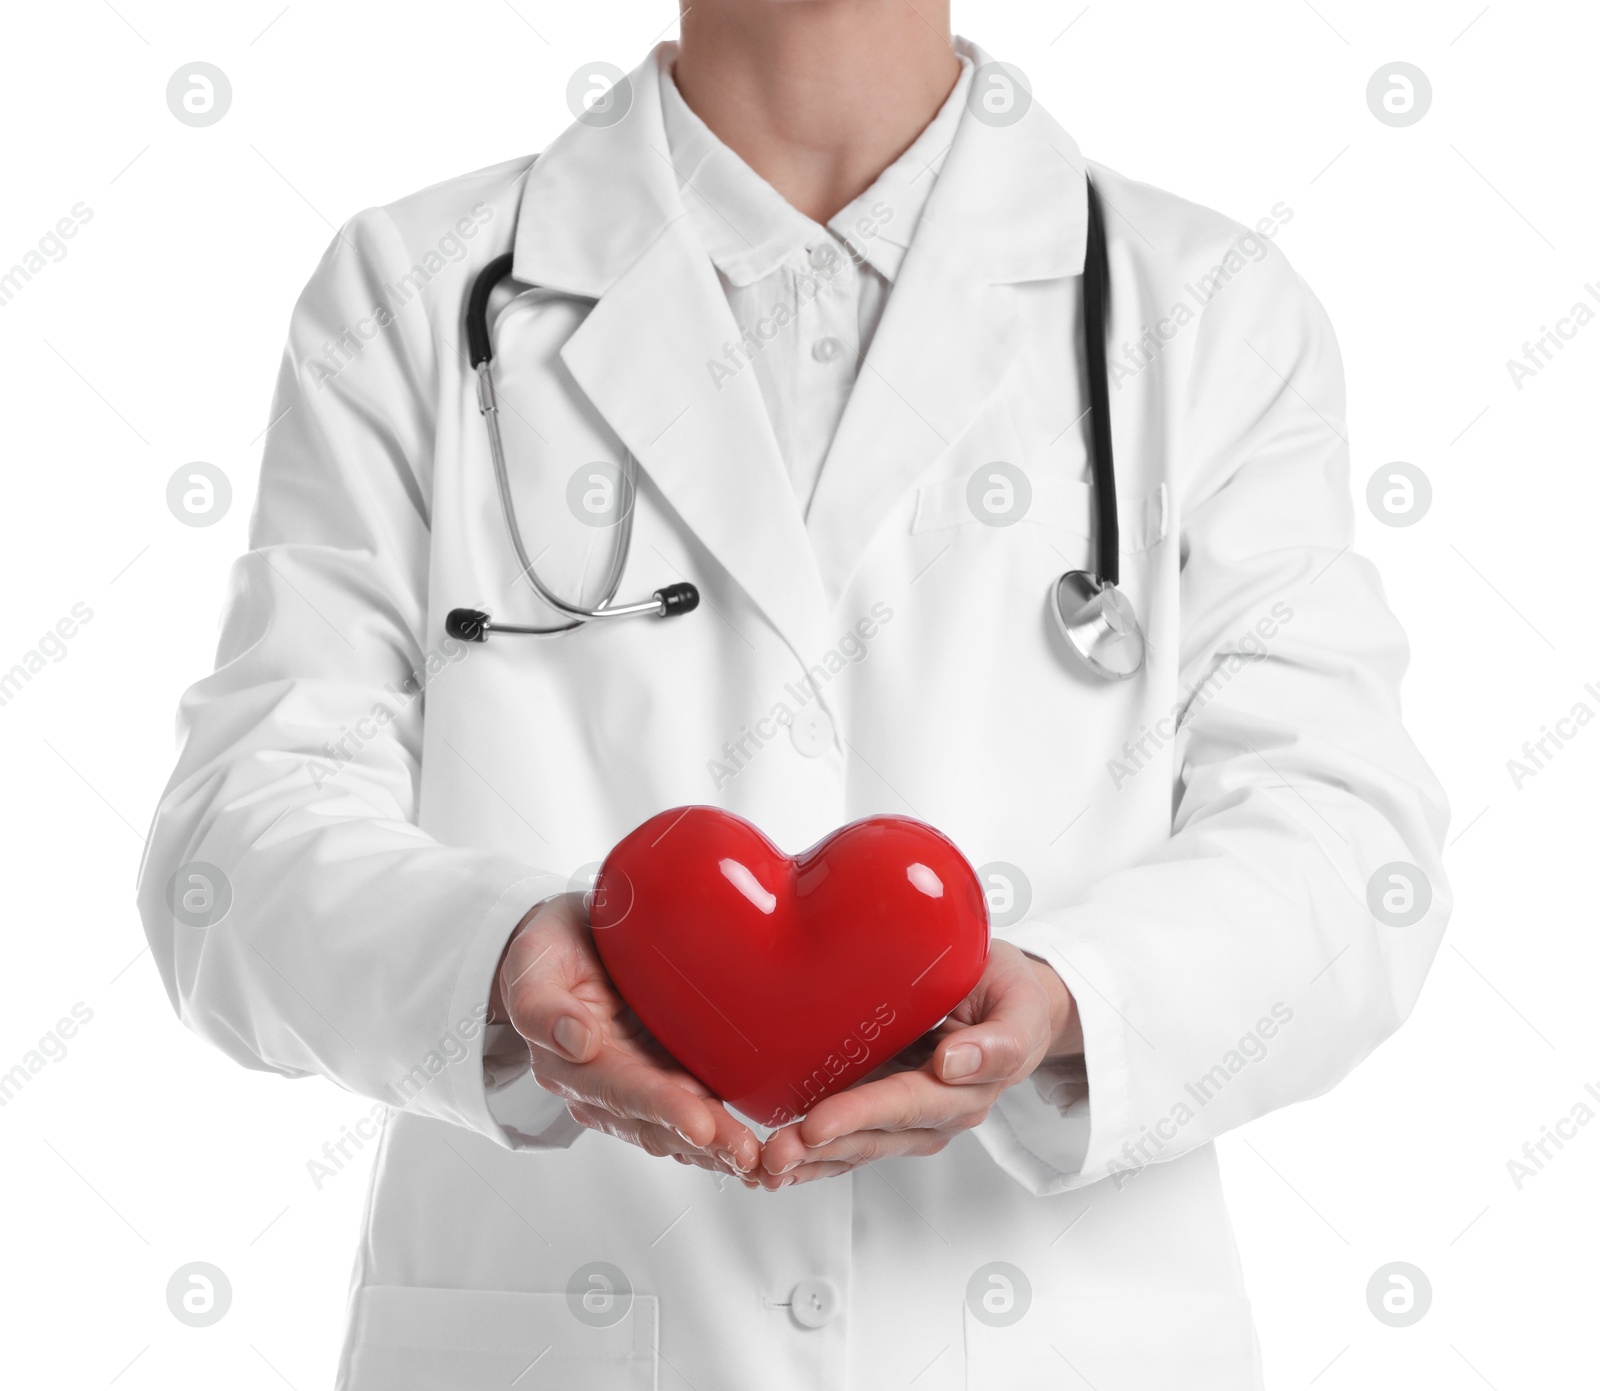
column 1019, row 1014
column 589, row 1048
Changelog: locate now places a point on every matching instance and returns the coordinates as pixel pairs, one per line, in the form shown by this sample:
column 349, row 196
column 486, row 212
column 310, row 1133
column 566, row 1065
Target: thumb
column 548, row 955
column 1011, row 1027
column 553, row 1018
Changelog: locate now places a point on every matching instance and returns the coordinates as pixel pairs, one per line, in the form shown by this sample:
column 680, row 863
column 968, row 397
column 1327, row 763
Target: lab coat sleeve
column 353, row 944
column 1241, row 966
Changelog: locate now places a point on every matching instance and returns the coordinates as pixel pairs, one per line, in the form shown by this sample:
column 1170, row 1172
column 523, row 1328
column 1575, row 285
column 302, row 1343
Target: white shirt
column 806, row 298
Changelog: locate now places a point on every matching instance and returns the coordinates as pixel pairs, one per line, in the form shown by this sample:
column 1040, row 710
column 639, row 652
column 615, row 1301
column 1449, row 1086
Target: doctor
column 817, row 269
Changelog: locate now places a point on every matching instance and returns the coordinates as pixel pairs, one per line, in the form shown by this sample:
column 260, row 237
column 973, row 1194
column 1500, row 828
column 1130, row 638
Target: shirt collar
column 1008, row 202
column 748, row 228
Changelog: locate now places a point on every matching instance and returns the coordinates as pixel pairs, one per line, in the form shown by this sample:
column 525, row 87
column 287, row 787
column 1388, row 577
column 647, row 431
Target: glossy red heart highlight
column 778, row 981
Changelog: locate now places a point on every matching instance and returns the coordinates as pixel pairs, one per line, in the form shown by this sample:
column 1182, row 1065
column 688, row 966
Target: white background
column 1439, row 250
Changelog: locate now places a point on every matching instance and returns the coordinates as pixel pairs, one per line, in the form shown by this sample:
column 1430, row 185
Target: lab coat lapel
column 944, row 342
column 1009, row 206
column 644, row 357
column 601, row 216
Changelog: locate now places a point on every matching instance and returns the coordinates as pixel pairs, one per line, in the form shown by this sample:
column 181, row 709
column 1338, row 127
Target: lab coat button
column 825, row 349
column 822, row 256
column 814, row 1302
column 812, row 731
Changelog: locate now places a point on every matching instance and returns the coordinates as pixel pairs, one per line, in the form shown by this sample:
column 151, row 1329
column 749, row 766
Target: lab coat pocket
column 1001, row 495
column 1116, row 1344
column 415, row 1338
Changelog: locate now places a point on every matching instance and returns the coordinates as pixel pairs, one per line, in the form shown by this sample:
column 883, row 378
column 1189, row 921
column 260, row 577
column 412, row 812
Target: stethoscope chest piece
column 1096, row 618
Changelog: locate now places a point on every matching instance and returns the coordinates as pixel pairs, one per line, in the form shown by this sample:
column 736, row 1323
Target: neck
column 819, row 97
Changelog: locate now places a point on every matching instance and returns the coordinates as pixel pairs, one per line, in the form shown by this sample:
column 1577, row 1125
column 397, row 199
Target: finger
column 643, row 1091
column 578, row 1057
column 658, row 1140
column 655, row 1140
column 627, row 1088
column 1011, row 1032
column 706, row 1162
column 735, row 1143
column 809, row 1173
column 857, row 1147
column 905, row 1101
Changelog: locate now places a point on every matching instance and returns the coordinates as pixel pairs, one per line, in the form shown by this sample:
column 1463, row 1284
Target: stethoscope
column 1092, row 613
column 474, row 625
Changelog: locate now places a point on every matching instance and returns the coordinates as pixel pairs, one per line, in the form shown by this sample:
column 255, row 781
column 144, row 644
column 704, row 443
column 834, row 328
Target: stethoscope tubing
column 480, row 350
column 1096, row 278
column 489, row 407
column 1101, row 624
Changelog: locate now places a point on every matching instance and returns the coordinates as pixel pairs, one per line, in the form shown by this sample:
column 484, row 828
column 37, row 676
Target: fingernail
column 961, row 1061
column 729, row 1158
column 571, row 1037
column 683, row 1135
column 793, row 1163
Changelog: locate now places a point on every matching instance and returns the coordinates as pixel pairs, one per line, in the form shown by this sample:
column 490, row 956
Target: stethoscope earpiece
column 467, row 625
column 678, row 598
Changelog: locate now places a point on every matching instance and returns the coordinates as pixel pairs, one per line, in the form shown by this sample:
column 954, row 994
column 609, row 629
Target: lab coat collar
column 599, row 195
column 602, row 217
column 1011, row 197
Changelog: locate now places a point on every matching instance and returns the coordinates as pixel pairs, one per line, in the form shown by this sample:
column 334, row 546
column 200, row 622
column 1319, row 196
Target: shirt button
column 814, row 1302
column 826, row 349
column 812, row 731
column 822, row 256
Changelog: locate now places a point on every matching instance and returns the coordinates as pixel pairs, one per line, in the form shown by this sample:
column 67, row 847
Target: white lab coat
column 1195, row 845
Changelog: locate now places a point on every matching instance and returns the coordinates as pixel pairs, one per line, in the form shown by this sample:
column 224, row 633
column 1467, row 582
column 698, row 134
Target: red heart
column 779, row 981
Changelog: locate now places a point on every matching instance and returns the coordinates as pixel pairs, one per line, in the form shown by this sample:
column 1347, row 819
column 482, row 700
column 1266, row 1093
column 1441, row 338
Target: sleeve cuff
column 1059, row 1130
column 493, row 1091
